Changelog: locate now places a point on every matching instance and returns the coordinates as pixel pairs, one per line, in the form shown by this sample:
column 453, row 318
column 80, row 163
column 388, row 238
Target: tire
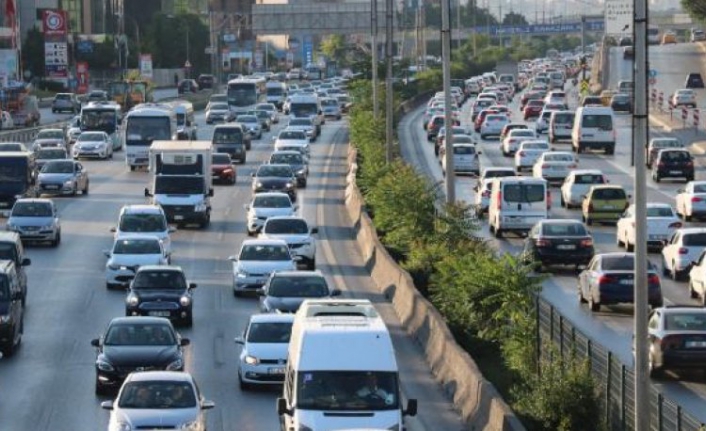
column 188, row 321
column 109, row 286
column 243, row 385
column 687, row 217
column 498, row 232
column 618, row 242
column 654, row 371
column 582, row 300
column 85, row 190
column 692, row 293
column 594, row 306
column 629, row 247
column 57, row 240
column 311, row 265
column 99, row 389
column 204, row 223
column 656, row 178
column 588, row 221
column 610, row 151
column 251, row 233
column 10, row 348
column 562, row 202
column 237, row 294
column 132, row 168
column 233, row 181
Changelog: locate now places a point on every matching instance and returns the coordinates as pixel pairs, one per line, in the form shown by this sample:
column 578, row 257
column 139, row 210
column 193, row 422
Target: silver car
column 263, row 356
column 62, row 177
column 93, row 145
column 158, row 400
column 128, row 254
column 295, row 231
column 257, row 259
column 265, row 205
column 251, row 124
column 35, row 220
column 218, row 112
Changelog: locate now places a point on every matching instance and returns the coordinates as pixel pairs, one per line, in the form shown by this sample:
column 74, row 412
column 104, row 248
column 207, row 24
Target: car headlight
column 47, row 227
column 258, row 184
column 113, row 266
column 395, row 427
column 200, row 207
column 176, row 365
column 133, row 300
column 10, row 226
column 190, row 425
column 184, row 301
column 5, row 318
column 69, row 183
column 289, row 185
column 228, row 171
column 301, row 171
column 241, row 273
column 104, row 365
column 251, row 360
column 123, row 426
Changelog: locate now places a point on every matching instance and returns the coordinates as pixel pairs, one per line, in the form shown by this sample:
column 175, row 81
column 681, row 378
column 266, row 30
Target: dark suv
column 206, row 81
column 11, row 307
column 136, row 344
column 161, row 291
column 11, row 249
column 673, row 163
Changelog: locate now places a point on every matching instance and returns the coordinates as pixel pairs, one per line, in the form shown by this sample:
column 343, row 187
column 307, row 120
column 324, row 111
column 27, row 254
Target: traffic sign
column 210, row 50
column 652, row 81
column 584, row 86
column 187, row 64
column 652, row 73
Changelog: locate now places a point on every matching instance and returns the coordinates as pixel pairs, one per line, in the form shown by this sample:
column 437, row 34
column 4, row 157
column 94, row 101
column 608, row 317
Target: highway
column 612, row 327
column 49, row 383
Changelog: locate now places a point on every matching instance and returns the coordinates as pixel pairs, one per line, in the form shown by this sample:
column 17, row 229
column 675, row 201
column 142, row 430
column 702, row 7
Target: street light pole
column 448, row 117
column 389, row 93
column 374, row 43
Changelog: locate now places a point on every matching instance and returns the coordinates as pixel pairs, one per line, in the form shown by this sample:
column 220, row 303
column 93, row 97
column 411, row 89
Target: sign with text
column 82, row 77
column 146, row 66
column 619, row 15
column 54, row 23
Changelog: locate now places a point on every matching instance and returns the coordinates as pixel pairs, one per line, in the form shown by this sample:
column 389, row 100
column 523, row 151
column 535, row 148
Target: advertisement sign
column 82, row 77
column 54, row 22
column 619, row 16
column 290, row 59
column 308, row 51
column 258, row 59
column 8, row 62
column 57, row 71
column 146, row 66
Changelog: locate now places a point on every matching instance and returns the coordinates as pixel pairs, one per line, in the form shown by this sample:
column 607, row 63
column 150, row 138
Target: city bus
column 143, row 124
column 244, row 93
column 104, row 117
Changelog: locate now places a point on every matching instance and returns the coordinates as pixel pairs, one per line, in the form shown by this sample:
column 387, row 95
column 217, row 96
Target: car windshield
column 271, row 201
column 50, row 134
column 609, row 194
column 694, row 239
column 247, row 119
column 4, row 289
column 87, row 136
column 674, row 321
column 269, row 332
column 347, row 390
column 298, row 287
column 558, row 158
column 666, row 143
column 274, row 171
column 602, row 122
column 659, row 212
column 158, row 395
column 699, row 188
column 495, row 173
column 564, row 118
column 51, row 153
column 464, row 149
column 292, row 134
column 63, row 97
column 227, row 136
column 563, row 229
column 523, row 193
column 286, row 226
column 266, row 107
column 675, row 156
column 287, row 158
column 520, row 133
column 8, row 251
column 143, row 223
column 137, row 246
column 221, row 159
column 219, row 106
column 142, row 334
column 265, row 252
column 31, row 209
column 159, row 280
column 58, row 167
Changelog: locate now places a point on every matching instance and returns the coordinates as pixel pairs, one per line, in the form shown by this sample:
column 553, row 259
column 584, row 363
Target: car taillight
column 486, row 194
column 604, row 279
column 671, row 342
column 652, row 279
column 549, row 200
column 695, row 199
column 590, row 207
column 683, row 250
column 542, row 243
column 587, row 243
column 675, row 225
column 499, row 204
column 521, row 154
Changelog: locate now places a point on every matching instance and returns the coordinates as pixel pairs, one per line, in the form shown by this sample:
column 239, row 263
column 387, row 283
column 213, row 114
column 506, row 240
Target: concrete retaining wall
column 479, row 403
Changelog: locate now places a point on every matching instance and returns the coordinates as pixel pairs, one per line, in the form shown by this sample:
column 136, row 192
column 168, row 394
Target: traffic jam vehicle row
column 517, row 197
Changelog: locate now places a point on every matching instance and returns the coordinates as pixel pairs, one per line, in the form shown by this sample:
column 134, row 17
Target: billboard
column 54, row 23
column 8, row 63
column 619, row 15
column 82, row 77
column 146, row 66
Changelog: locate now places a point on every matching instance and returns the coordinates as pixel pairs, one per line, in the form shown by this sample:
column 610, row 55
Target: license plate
column 261, row 281
column 566, row 247
column 178, row 217
column 696, row 344
column 626, row 282
column 51, row 187
column 159, row 313
column 278, row 370
column 609, row 207
column 675, row 172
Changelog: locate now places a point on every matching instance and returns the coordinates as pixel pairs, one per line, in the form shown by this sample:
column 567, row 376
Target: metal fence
column 615, row 379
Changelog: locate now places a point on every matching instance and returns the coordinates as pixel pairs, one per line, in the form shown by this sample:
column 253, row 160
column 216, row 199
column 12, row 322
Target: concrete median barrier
column 26, row 135
column 478, row 402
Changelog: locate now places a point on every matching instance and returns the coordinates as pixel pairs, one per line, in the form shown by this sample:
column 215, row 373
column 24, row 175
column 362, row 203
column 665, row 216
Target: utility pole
column 448, row 112
column 374, row 43
column 500, row 24
column 583, row 38
column 458, row 24
column 389, row 94
column 640, row 139
column 474, row 11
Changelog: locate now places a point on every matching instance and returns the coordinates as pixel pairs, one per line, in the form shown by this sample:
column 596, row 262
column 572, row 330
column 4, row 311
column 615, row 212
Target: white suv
column 296, row 233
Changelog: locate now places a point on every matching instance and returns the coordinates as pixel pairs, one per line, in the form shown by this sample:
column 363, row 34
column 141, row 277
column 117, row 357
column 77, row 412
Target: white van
column 517, row 204
column 186, row 122
column 560, row 125
column 594, row 128
column 341, row 370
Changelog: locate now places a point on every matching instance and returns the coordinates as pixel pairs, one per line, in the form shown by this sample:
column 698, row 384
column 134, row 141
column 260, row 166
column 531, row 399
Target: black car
column 621, row 103
column 559, row 241
column 161, row 291
column 206, row 81
column 296, row 160
column 275, row 178
column 673, row 163
column 286, row 290
column 625, row 41
column 187, row 86
column 11, row 308
column 694, row 80
column 136, row 344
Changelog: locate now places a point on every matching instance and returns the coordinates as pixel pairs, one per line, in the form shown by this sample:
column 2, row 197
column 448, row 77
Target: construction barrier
column 653, row 96
column 696, row 118
column 684, row 113
column 660, row 100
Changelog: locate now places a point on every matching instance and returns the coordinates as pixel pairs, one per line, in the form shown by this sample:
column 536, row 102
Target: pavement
column 672, row 123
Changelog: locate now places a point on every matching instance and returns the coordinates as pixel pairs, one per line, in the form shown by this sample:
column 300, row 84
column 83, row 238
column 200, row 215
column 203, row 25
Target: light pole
column 137, row 36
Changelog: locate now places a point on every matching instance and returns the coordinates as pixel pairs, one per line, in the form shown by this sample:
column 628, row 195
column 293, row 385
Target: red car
column 532, row 109
column 222, row 169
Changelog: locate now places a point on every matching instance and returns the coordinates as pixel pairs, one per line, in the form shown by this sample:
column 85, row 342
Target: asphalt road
column 613, row 326
column 48, row 384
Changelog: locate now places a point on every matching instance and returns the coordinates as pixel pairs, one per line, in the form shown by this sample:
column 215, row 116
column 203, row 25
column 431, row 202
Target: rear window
column 499, row 173
column 564, row 118
column 659, row 212
column 535, row 102
column 228, row 136
column 524, row 193
column 522, row 133
column 618, row 263
column 675, row 155
column 600, row 121
column 589, row 179
column 699, row 188
column 464, row 149
column 667, row 144
column 685, row 322
column 694, row 239
column 609, row 194
column 563, row 229
column 558, row 158
column 628, row 85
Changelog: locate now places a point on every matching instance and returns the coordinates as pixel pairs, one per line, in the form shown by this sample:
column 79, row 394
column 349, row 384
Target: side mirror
column 411, row 409
column 252, row 174
column 282, row 408
column 207, row 405
column 239, row 340
column 184, row 342
column 171, row 229
column 314, row 230
column 107, row 405
column 147, row 192
column 113, row 229
column 106, row 253
column 296, row 207
column 193, row 285
column 260, row 292
column 95, row 342
column 629, row 196
column 233, row 258
column 210, row 193
column 336, row 292
column 247, row 207
column 26, row 262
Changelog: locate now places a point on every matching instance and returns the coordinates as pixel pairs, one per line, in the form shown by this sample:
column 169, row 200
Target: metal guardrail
column 615, row 379
column 26, row 135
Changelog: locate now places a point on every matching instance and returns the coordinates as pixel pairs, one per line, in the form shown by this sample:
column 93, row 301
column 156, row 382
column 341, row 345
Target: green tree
column 514, row 18
column 166, row 39
column 695, row 8
column 334, row 47
column 33, row 52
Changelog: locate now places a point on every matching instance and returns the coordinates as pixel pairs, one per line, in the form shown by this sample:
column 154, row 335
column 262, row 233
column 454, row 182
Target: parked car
column 662, row 222
column 681, row 250
column 676, row 339
column 558, row 241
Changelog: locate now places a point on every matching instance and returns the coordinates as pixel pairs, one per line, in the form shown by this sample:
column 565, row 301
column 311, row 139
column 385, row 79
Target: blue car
column 609, row 279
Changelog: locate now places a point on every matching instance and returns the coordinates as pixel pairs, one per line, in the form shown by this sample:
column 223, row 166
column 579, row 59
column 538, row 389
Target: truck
column 506, row 72
column 23, row 107
column 307, row 106
column 180, row 180
column 16, row 172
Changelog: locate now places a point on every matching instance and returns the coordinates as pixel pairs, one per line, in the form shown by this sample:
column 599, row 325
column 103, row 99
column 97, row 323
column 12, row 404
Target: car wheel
column 498, row 232
column 687, row 217
column 618, row 242
column 132, row 168
column 237, row 294
column 655, row 371
column 593, row 305
column 588, row 221
column 311, row 265
column 9, row 348
column 629, row 247
column 562, row 202
column 188, row 321
column 85, row 190
column 56, row 241
column 692, row 292
column 251, row 233
column 243, row 385
column 233, row 181
column 582, row 300
column 110, row 286
column 656, row 178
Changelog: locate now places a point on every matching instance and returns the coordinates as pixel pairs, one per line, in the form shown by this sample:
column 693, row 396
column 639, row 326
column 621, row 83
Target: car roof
column 607, row 186
column 298, row 273
column 141, row 209
column 174, row 268
column 35, row 200
column 141, row 237
column 272, row 317
column 261, row 241
column 147, row 376
column 586, row 172
column 139, row 319
column 690, row 230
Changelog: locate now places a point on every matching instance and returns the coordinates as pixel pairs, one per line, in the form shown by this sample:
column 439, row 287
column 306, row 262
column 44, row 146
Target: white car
column 465, row 159
column 93, row 145
column 265, row 205
column 295, row 231
column 577, row 184
column 493, row 124
column 512, row 141
column 74, row 129
column 128, row 254
column 305, row 125
column 682, row 249
column 555, row 97
column 542, row 123
column 143, row 219
column 291, row 137
column 683, row 97
column 218, row 112
column 528, row 153
column 691, row 200
column 482, row 197
column 554, row 165
column 251, row 124
column 697, row 279
column 265, row 344
column 662, row 222
column 256, row 260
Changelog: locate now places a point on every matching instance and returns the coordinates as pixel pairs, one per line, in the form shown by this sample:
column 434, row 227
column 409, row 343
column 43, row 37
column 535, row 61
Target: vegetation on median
column 486, row 299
